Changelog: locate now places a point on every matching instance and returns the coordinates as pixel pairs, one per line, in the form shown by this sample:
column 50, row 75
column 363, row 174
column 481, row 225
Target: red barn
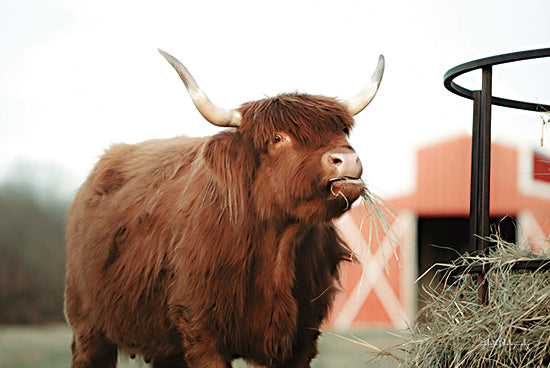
column 437, row 213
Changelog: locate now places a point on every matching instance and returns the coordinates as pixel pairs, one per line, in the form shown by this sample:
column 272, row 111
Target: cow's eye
column 277, row 138
column 346, row 130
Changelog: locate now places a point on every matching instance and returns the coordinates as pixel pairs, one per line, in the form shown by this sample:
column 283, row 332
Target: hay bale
column 511, row 330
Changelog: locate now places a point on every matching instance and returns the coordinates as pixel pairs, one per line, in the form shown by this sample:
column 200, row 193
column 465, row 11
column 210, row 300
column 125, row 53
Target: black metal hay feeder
column 481, row 154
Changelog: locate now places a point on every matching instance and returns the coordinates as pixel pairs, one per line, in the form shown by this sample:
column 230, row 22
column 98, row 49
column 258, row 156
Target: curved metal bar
column 490, row 61
column 481, row 268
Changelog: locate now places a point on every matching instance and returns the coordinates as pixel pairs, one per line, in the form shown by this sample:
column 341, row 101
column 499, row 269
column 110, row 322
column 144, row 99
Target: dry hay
column 380, row 217
column 511, row 330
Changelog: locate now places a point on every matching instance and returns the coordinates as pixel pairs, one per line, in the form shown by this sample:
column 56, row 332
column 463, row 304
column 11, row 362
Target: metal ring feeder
column 481, row 151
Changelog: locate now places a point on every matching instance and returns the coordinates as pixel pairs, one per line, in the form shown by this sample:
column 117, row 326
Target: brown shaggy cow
column 192, row 252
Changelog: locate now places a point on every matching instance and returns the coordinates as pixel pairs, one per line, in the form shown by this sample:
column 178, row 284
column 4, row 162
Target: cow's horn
column 214, row 114
column 357, row 103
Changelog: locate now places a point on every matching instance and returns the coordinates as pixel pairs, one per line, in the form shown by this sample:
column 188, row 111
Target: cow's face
column 311, row 179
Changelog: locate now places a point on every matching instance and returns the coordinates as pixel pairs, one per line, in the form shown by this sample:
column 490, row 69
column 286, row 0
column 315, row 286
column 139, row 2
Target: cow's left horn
column 356, row 104
column 214, row 114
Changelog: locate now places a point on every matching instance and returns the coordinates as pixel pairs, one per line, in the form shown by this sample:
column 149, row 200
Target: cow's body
column 196, row 251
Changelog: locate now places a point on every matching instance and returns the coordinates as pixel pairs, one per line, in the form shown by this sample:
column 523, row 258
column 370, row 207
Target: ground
column 48, row 347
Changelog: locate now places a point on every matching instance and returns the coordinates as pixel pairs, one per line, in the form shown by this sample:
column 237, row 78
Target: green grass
column 49, row 347
column 36, row 347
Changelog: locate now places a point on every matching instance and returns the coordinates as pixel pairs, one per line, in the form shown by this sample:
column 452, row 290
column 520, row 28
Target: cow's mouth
column 346, row 188
column 343, row 180
column 346, row 185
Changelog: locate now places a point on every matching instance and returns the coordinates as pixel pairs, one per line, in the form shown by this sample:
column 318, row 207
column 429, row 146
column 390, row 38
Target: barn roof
column 518, row 180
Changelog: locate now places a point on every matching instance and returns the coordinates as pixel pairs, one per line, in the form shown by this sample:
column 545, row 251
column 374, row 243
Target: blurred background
column 78, row 76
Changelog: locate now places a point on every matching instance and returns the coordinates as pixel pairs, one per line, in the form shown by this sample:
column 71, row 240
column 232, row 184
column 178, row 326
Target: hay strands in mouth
column 345, row 178
column 380, row 217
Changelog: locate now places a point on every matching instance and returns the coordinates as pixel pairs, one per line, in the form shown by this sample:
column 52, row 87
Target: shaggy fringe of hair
column 305, row 117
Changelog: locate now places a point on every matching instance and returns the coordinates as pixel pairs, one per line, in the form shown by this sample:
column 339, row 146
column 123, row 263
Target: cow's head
column 302, row 164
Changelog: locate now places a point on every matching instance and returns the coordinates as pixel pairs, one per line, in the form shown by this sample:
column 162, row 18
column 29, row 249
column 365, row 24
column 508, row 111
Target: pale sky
column 78, row 76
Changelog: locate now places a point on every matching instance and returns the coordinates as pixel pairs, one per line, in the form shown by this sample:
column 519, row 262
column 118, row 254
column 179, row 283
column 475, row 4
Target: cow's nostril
column 336, row 159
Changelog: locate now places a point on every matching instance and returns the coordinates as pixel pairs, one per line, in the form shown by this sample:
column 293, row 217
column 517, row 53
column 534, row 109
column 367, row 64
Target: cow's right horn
column 214, row 114
column 357, row 103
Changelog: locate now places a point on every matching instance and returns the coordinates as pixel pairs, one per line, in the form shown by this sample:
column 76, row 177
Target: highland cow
column 192, row 252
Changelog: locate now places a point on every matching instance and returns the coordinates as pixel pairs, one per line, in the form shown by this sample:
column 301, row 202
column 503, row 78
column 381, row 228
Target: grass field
column 48, row 347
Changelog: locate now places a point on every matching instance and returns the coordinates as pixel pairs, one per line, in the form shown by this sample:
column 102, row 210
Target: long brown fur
column 195, row 251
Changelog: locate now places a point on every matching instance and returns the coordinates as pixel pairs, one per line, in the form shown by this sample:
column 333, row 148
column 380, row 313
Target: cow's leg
column 304, row 353
column 301, row 360
column 199, row 343
column 204, row 354
column 173, row 361
column 199, row 358
column 91, row 350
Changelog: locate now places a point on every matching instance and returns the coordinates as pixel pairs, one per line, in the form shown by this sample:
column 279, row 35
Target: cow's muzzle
column 343, row 165
column 345, row 171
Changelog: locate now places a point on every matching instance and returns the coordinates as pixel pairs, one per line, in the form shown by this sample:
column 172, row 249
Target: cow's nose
column 342, row 164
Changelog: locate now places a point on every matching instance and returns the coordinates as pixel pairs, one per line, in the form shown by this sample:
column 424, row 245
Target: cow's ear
column 232, row 163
